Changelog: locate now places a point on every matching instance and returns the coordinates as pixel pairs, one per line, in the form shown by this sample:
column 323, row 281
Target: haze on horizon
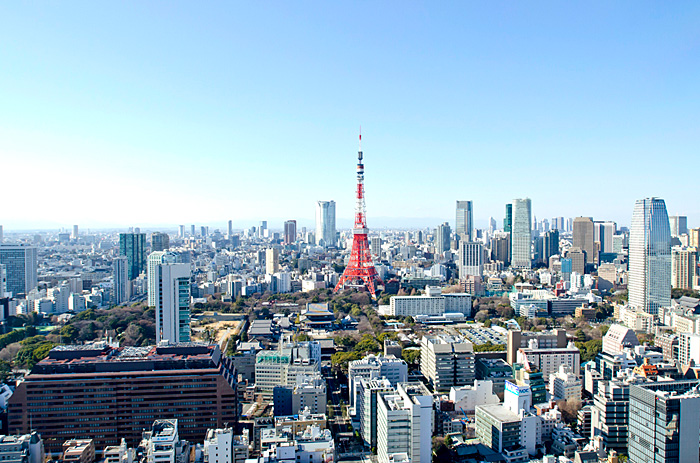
column 138, row 114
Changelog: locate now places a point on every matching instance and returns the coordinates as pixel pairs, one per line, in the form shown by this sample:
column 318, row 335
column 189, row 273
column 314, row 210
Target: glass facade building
column 133, row 246
column 20, row 268
column 650, row 256
column 463, row 220
column 521, row 236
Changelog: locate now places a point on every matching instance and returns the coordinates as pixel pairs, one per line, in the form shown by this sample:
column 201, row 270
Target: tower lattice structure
column 360, row 270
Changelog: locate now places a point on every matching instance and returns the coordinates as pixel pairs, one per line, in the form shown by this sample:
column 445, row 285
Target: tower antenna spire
column 360, row 271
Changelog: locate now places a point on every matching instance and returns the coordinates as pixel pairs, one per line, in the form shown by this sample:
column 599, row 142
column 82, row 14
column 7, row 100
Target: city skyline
column 568, row 106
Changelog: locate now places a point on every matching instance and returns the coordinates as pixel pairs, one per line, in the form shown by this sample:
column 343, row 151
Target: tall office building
column 230, row 229
column 521, row 235
column 508, row 220
column 290, row 231
column 121, row 291
column 262, row 228
column 20, row 267
column 463, row 222
column 584, row 238
column 181, row 231
column 470, row 259
column 2, row 237
column 160, row 241
column 405, row 424
column 204, row 231
column 650, row 256
column 683, row 267
column 603, row 233
column 447, row 361
column 74, row 235
column 133, row 246
column 272, row 261
column 325, row 223
column 169, row 294
column 664, row 421
column 550, row 244
column 3, row 281
column 192, row 230
column 679, row 225
column 442, row 238
column 500, row 248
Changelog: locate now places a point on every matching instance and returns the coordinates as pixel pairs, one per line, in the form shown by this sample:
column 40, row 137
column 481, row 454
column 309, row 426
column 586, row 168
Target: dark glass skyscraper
column 133, row 246
column 508, row 221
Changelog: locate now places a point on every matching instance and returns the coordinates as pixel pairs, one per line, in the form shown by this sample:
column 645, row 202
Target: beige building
column 684, row 267
column 584, row 237
column 447, row 361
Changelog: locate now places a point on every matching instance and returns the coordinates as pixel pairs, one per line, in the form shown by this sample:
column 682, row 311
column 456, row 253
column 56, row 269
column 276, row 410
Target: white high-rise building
column 325, row 223
column 74, row 235
column 470, row 259
column 521, row 237
column 463, row 222
column 405, row 423
column 121, row 291
column 679, row 225
column 169, row 294
column 272, row 261
column 650, row 256
column 603, row 234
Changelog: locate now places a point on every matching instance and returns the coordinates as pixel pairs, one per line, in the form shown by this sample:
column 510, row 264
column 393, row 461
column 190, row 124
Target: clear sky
column 147, row 113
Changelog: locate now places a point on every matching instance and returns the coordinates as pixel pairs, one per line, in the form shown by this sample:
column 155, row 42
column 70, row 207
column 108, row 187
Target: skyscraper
column 463, row 222
column 160, row 241
column 1, row 234
column 192, row 230
column 584, row 238
column 262, row 228
column 470, row 259
column 508, row 220
column 650, row 256
column 169, row 294
column 230, row 229
column 550, row 245
column 272, row 261
column 121, row 291
column 521, row 235
column 603, row 233
column 683, row 267
column 20, row 268
column 181, row 231
column 442, row 238
column 679, row 225
column 75, row 232
column 290, row 231
column 133, row 246
column 325, row 223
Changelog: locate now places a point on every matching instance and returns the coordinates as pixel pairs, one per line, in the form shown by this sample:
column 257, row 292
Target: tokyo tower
column 360, row 270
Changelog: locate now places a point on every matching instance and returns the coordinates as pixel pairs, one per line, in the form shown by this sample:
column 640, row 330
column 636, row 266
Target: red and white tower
column 360, row 270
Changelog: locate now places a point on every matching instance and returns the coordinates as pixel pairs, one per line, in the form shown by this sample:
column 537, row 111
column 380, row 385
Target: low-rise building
column 432, row 302
column 78, row 451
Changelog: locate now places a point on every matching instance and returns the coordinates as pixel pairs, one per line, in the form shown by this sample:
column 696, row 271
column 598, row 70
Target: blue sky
column 159, row 113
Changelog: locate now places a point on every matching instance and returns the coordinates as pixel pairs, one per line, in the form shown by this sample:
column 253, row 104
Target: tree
column 340, row 360
column 580, row 335
column 367, row 344
column 411, row 356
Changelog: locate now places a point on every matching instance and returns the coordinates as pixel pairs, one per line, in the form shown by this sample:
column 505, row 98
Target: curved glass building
column 650, row 256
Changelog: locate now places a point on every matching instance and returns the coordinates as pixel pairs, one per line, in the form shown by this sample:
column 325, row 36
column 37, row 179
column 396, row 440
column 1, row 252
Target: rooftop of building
column 104, row 358
column 499, row 412
column 164, row 428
